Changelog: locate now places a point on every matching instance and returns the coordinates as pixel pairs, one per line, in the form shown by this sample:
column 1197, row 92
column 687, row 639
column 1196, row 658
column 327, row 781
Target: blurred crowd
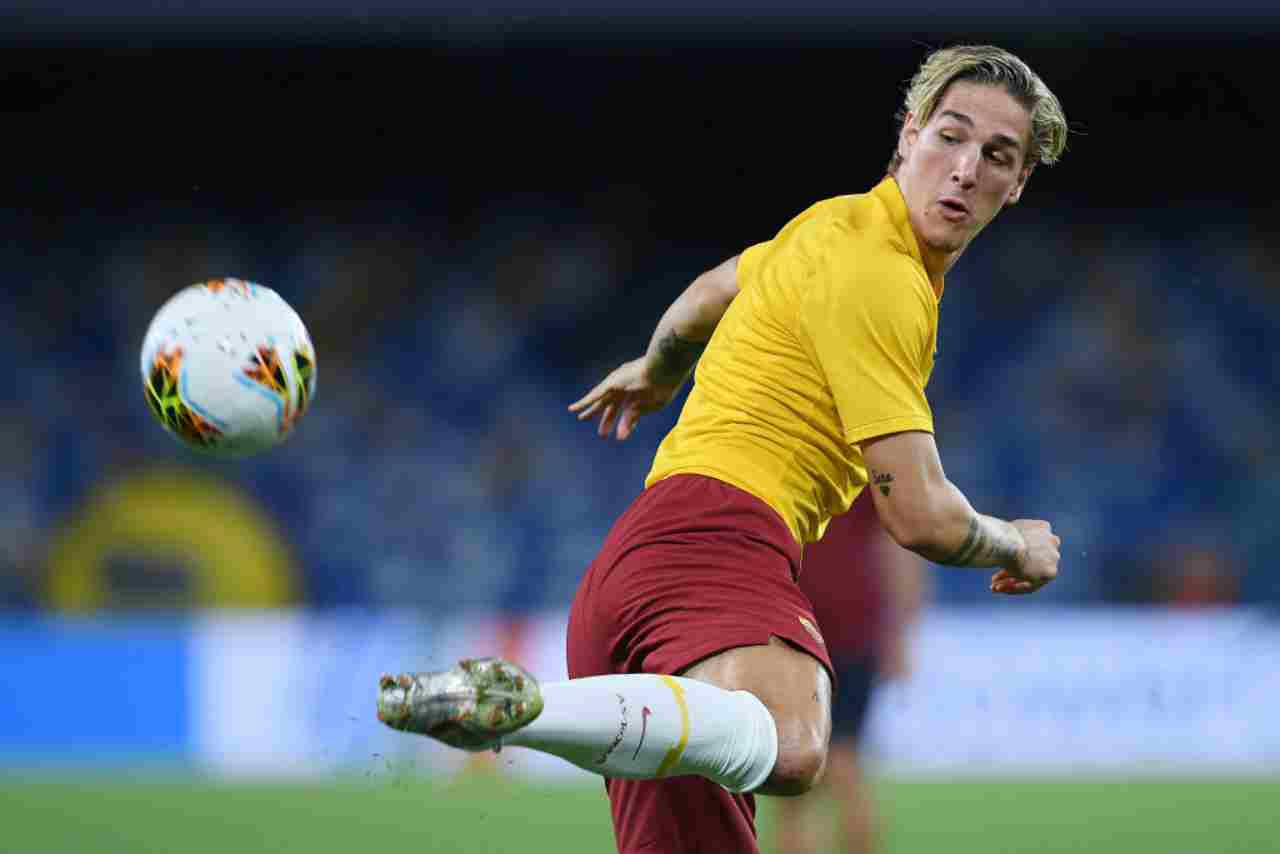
column 1111, row 373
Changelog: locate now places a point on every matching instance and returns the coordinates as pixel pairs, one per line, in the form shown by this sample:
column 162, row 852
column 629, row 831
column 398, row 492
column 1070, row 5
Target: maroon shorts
column 694, row 567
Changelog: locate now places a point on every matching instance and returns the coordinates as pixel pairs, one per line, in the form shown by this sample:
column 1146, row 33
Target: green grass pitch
column 479, row 814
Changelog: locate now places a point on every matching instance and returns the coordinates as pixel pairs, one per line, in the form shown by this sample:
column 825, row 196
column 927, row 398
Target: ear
column 907, row 136
column 1016, row 193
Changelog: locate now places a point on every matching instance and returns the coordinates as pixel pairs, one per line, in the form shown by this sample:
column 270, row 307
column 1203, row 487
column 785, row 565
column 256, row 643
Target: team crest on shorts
column 811, row 629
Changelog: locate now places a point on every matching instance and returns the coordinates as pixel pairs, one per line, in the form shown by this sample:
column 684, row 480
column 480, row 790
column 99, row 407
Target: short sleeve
column 871, row 333
column 749, row 263
column 754, row 258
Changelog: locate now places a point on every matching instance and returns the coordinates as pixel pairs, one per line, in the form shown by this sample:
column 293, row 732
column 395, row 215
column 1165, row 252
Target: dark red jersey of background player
column 842, row 577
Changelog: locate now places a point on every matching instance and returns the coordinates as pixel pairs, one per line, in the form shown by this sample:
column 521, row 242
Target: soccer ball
column 228, row 367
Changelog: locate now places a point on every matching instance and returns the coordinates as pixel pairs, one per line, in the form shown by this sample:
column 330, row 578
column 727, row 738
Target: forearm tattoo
column 676, row 357
column 988, row 542
column 985, row 545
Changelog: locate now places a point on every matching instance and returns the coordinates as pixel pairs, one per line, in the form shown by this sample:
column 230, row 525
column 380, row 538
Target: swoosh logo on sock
column 645, row 711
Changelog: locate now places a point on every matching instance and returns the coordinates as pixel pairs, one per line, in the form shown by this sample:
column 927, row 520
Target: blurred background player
column 867, row 592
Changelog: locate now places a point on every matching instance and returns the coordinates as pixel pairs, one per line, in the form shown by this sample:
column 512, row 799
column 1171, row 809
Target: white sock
column 642, row 726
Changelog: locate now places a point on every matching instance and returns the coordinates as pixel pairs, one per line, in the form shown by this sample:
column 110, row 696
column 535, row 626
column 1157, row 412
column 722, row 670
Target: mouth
column 953, row 209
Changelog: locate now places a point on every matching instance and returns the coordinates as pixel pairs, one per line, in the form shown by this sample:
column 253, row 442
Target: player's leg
column 696, row 580
column 849, row 785
column 744, row 706
column 631, row 726
column 799, row 826
column 753, row 718
column 844, row 783
column 859, row 822
column 681, row 750
column 796, row 690
column 692, row 815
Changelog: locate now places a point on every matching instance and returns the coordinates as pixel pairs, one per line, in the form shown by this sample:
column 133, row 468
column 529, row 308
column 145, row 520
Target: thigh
column 665, row 606
column 693, row 568
column 794, row 685
column 589, row 645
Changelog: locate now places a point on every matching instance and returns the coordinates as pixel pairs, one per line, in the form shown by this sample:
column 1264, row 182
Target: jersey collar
column 890, row 195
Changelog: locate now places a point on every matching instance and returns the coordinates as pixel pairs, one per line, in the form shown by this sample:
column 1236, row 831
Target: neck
column 937, row 262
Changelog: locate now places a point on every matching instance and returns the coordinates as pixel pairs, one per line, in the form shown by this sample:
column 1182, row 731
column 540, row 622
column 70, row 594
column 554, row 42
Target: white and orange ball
column 228, row 367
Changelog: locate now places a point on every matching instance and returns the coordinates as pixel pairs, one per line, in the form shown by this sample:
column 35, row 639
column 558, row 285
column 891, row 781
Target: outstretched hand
column 622, row 397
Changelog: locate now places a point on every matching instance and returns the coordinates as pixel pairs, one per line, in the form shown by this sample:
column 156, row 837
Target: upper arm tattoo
column 883, row 481
column 676, row 357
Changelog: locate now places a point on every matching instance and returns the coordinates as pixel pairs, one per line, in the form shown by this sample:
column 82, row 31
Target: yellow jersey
column 829, row 342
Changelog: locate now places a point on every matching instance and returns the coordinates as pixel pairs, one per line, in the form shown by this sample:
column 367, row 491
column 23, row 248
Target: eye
column 946, row 137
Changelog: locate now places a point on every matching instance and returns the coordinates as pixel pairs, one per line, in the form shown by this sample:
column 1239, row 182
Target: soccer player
column 866, row 592
column 699, row 675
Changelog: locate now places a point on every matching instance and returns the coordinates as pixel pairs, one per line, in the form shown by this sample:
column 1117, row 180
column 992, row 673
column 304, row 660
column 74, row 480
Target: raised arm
column 926, row 513
column 686, row 326
column 651, row 381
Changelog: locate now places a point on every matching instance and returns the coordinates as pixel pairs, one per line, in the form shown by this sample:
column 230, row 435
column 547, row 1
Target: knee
column 802, row 759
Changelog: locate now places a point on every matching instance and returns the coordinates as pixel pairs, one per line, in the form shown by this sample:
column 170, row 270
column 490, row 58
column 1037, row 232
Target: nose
column 964, row 171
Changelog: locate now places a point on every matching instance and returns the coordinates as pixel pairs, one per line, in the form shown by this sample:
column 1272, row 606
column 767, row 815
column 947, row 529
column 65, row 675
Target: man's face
column 965, row 165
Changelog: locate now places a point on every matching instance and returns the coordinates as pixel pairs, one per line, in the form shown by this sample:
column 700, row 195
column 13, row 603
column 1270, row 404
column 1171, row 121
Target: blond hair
column 991, row 66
